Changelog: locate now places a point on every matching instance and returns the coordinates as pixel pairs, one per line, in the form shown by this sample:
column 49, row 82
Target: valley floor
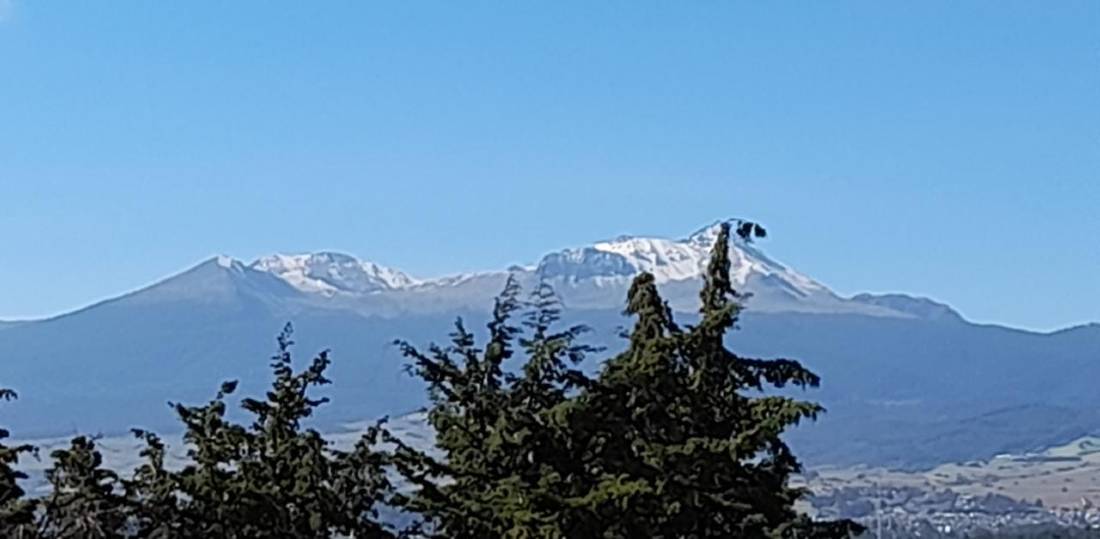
column 1058, row 486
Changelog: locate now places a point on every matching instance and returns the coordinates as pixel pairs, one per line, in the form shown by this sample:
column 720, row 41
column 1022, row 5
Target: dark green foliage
column 270, row 479
column 16, row 512
column 154, row 491
column 492, row 424
column 675, row 437
column 671, row 439
column 86, row 500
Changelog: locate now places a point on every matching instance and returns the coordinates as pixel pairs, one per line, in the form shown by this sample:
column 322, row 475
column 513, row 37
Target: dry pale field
column 1066, row 476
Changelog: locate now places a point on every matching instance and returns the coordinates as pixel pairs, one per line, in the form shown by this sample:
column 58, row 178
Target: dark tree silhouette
column 16, row 511
column 670, row 439
column 273, row 478
column 85, row 499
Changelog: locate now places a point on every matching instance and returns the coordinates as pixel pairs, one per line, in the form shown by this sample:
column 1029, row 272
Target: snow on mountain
column 670, row 260
column 333, row 273
column 596, row 276
column 459, row 279
column 603, row 265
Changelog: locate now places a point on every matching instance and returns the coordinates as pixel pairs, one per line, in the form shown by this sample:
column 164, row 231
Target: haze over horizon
column 886, row 148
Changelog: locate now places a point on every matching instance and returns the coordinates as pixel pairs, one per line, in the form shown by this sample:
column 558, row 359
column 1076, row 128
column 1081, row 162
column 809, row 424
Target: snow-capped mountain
column 670, row 260
column 332, row 273
column 181, row 337
column 595, row 276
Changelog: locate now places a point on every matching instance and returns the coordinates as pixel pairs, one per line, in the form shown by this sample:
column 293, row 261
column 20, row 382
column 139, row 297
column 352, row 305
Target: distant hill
column 908, row 381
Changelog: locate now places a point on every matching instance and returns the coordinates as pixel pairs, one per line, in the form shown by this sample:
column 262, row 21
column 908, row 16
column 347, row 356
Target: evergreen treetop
column 671, row 438
column 16, row 511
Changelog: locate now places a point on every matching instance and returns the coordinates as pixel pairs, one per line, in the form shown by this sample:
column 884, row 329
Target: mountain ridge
column 595, row 276
column 592, row 276
column 894, row 366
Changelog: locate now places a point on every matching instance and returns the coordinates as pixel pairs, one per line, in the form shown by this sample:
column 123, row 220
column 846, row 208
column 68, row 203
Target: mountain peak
column 592, row 276
column 708, row 234
column 673, row 260
column 216, row 265
column 332, row 273
column 226, row 262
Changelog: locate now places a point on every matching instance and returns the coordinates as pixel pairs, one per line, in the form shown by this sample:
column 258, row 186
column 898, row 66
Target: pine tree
column 154, row 494
column 682, row 446
column 271, row 479
column 466, row 385
column 494, row 427
column 669, row 440
column 86, row 500
column 16, row 511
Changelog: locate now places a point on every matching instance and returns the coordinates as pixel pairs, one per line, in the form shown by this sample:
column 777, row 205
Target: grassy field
column 1061, row 477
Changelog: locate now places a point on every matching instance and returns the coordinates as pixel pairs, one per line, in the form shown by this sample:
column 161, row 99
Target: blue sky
column 950, row 149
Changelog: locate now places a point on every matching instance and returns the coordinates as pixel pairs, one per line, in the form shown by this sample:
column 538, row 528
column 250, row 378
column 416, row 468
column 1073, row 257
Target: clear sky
column 949, row 149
